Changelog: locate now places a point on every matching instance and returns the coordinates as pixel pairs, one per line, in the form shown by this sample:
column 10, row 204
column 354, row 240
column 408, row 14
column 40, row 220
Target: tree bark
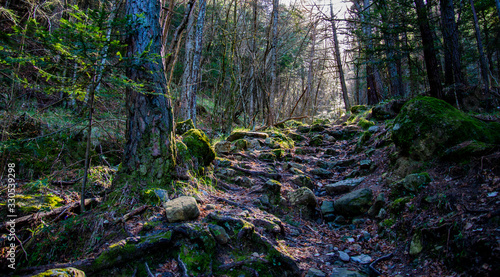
column 339, row 61
column 150, row 143
column 451, row 44
column 390, row 45
column 274, row 64
column 192, row 77
column 431, row 63
column 482, row 57
column 372, row 92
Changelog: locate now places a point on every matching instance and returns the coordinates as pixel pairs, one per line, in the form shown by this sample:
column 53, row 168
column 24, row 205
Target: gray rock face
column 181, row 209
column 354, row 203
column 343, row 256
column 373, row 129
column 377, row 205
column 302, row 197
column 362, row 259
column 344, row 272
column 302, row 180
column 343, row 186
column 313, row 272
column 321, row 172
column 327, row 207
column 222, row 147
column 241, row 134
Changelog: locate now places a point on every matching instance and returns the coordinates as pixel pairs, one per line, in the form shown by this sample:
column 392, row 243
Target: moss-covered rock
column 183, row 126
column 222, row 147
column 387, row 110
column 354, row 203
column 427, row 126
column 468, row 149
column 246, row 134
column 199, row 146
column 239, row 144
column 316, row 140
column 358, row 108
column 302, row 180
column 365, row 124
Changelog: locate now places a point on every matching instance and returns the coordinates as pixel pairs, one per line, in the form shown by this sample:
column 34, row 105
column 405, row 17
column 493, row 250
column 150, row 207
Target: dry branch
column 25, row 220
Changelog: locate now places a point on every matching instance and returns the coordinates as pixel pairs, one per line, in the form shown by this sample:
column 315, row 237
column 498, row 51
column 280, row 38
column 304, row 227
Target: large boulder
column 199, row 146
column 354, row 203
column 181, row 209
column 427, row 126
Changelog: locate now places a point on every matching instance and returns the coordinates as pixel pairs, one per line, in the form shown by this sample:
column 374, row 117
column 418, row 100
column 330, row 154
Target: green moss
column 199, row 146
column 427, row 126
column 183, row 126
column 358, row 108
column 281, row 139
column 37, row 202
column 240, row 144
column 293, row 123
column 365, row 124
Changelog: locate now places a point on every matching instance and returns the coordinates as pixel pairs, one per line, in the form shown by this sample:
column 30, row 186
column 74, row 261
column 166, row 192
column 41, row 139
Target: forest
column 250, row 138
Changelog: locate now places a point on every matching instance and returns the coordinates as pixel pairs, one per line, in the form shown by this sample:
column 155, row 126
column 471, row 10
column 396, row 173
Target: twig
column 134, row 212
column 183, row 266
column 66, row 183
column 21, row 244
column 383, row 258
column 148, row 270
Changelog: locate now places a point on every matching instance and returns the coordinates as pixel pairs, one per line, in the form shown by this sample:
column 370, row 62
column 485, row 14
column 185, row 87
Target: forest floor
column 452, row 221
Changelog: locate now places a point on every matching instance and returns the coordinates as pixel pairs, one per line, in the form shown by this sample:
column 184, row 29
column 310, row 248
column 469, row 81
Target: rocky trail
column 328, row 199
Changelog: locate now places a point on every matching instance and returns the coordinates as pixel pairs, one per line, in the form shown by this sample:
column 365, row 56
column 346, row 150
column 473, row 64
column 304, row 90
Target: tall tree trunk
column 451, row 43
column 390, row 45
column 482, row 57
column 372, row 92
column 306, row 109
column 150, row 144
column 497, row 2
column 192, row 77
column 339, row 61
column 274, row 63
column 431, row 63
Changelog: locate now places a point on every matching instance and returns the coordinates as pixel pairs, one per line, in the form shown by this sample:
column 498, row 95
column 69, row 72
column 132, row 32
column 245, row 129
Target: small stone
column 362, row 259
column 344, row 256
column 416, row 244
column 327, row 207
column 181, row 209
column 373, row 129
column 382, row 214
column 365, row 164
column 210, row 207
column 219, row 234
column 358, row 221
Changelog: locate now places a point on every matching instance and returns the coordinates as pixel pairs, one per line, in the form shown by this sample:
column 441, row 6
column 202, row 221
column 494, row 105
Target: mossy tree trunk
column 150, row 143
